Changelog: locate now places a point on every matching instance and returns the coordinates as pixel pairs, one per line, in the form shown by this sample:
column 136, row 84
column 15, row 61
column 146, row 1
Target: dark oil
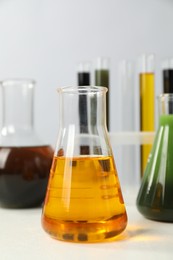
column 24, row 175
column 168, row 81
column 83, row 79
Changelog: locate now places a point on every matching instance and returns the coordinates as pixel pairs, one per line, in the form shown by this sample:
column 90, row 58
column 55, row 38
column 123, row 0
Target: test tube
column 83, row 79
column 167, row 70
column 126, row 74
column 102, row 79
column 127, row 86
column 83, row 74
column 147, row 98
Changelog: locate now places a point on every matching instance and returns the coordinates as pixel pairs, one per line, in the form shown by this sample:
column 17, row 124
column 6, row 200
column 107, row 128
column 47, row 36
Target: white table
column 22, row 238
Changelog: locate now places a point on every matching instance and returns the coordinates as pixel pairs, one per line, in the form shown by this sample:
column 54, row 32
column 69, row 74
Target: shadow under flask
column 155, row 197
column 25, row 160
column 84, row 202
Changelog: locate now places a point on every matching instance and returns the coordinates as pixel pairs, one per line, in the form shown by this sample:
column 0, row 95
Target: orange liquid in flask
column 84, row 201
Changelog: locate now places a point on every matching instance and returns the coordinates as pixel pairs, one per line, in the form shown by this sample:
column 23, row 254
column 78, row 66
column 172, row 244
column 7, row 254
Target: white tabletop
column 22, row 237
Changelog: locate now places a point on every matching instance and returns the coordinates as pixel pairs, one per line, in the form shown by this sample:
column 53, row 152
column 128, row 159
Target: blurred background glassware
column 155, row 197
column 102, row 78
column 24, row 159
column 147, row 99
column 84, row 201
column 167, row 75
column 84, row 73
column 129, row 176
column 83, row 79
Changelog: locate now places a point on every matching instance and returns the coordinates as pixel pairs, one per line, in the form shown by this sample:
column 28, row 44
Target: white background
column 45, row 40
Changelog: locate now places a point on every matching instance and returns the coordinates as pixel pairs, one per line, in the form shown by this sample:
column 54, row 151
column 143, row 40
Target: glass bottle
column 154, row 199
column 24, row 159
column 147, row 98
column 84, row 202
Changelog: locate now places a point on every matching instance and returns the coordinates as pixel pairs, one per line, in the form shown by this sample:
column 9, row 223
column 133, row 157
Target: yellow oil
column 84, row 201
column 147, row 112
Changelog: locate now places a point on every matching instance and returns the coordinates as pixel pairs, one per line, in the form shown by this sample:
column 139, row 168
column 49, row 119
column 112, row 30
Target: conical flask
column 84, row 202
column 25, row 160
column 155, row 197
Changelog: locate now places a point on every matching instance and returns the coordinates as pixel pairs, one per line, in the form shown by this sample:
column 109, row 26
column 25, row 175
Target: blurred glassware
column 154, row 199
column 24, row 159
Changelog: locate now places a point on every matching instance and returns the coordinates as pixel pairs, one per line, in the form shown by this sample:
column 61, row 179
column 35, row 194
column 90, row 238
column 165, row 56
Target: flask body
column 154, row 199
column 84, row 202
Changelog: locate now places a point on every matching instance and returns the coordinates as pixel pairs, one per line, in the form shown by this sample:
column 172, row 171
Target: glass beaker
column 155, row 197
column 24, row 159
column 84, row 202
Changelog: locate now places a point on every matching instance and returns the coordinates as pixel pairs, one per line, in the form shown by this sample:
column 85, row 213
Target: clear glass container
column 24, row 159
column 155, row 197
column 147, row 99
column 84, row 73
column 130, row 176
column 84, row 202
column 102, row 78
column 167, row 75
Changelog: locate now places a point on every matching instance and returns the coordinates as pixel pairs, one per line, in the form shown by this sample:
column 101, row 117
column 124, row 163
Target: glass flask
column 24, row 159
column 155, row 197
column 130, row 170
column 84, row 202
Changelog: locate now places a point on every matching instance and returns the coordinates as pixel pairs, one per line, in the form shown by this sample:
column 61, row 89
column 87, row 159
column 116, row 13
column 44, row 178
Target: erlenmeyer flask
column 155, row 197
column 84, row 201
column 25, row 160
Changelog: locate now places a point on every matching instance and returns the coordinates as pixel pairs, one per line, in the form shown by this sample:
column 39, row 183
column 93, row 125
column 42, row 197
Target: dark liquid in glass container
column 83, row 79
column 24, row 175
column 168, row 81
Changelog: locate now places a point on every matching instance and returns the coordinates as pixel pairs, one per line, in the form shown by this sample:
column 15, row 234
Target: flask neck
column 17, row 99
column 83, row 107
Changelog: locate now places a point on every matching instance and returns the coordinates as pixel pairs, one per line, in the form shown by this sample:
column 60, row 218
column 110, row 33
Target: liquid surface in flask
column 24, row 175
column 84, row 201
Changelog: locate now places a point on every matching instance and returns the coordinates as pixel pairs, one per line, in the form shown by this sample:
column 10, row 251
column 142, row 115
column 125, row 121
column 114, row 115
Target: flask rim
column 82, row 89
column 17, row 81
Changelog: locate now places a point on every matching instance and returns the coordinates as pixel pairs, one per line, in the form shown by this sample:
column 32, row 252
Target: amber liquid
column 24, row 173
column 84, row 201
column 147, row 112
